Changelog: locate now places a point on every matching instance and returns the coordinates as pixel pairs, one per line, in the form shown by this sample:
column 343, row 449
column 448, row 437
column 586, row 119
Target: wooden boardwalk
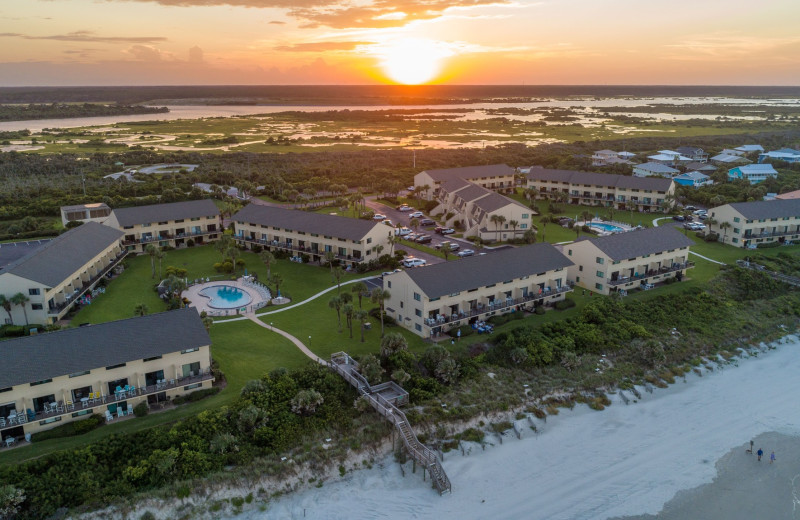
column 385, row 398
column 785, row 278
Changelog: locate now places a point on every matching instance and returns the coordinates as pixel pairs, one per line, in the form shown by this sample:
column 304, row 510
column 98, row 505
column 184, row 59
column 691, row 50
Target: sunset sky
column 160, row 42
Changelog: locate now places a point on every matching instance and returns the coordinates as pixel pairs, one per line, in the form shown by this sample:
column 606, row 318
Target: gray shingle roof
column 764, row 209
column 471, row 172
column 495, row 201
column 296, row 220
column 55, row 261
column 478, row 271
column 655, row 167
column 641, row 242
column 46, row 356
column 166, row 212
column 599, row 179
column 472, row 192
column 454, row 184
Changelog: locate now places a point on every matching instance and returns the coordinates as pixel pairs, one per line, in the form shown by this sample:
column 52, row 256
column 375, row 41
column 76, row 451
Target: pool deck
column 604, row 232
column 201, row 303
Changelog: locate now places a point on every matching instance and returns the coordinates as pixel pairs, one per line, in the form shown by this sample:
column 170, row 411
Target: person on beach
column 760, row 452
column 772, row 457
column 750, row 451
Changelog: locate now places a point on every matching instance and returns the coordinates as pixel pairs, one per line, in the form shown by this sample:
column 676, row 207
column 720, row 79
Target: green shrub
column 539, row 310
column 466, row 330
column 768, row 245
column 12, row 331
column 196, row 396
column 140, row 410
column 565, row 304
column 471, row 435
column 147, row 515
column 70, row 429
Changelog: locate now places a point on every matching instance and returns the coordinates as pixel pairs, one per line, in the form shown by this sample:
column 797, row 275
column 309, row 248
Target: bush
column 70, row 429
column 768, row 245
column 140, row 410
column 387, row 320
column 195, row 396
column 190, row 243
column 539, row 310
column 12, row 331
column 466, row 330
column 565, row 304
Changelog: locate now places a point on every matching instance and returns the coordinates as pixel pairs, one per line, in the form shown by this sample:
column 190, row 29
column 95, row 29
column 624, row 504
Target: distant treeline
column 62, row 110
column 368, row 94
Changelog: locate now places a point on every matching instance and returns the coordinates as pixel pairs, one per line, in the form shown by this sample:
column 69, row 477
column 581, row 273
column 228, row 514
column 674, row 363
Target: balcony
column 768, row 234
column 170, row 384
column 167, row 236
column 651, row 273
column 294, row 247
column 56, row 309
column 497, row 305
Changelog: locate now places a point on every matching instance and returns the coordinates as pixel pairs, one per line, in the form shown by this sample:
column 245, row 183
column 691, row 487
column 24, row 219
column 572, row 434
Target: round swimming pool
column 608, row 228
column 226, row 297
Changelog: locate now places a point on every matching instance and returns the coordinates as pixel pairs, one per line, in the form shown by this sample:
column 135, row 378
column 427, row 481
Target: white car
column 414, row 262
column 466, row 252
column 388, row 223
column 699, row 212
column 402, row 231
column 406, row 208
column 378, row 216
column 417, row 214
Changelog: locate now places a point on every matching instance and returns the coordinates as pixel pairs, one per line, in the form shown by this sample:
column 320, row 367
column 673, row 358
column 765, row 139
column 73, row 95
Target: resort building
column 58, row 273
column 754, row 173
column 694, row 179
column 481, row 212
column 599, row 189
column 624, row 261
column 170, row 224
column 654, row 169
column 49, row 379
column 433, row 299
column 303, row 232
column 747, row 224
column 96, row 212
column 788, row 155
column 498, row 177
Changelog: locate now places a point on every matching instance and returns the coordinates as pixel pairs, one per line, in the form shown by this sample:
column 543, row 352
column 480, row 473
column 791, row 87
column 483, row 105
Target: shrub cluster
column 195, row 396
column 70, row 429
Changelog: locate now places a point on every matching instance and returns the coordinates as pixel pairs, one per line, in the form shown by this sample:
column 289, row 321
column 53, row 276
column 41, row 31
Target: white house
column 784, row 154
column 651, row 169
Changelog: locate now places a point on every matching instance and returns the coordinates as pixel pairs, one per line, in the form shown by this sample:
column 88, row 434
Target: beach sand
column 662, row 452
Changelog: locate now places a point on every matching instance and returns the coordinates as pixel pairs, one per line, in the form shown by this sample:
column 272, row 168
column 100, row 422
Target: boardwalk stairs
column 386, row 398
column 785, row 278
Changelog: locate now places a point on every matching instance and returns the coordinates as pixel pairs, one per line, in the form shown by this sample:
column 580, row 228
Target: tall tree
column 277, row 280
column 725, row 226
column 336, row 303
column 514, row 223
column 20, row 299
column 338, row 273
column 268, row 258
column 360, row 289
column 349, row 311
column 329, row 257
column 361, row 315
column 380, row 296
column 5, row 303
column 152, row 250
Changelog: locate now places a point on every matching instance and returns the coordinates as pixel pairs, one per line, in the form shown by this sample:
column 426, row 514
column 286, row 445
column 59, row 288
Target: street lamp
column 309, row 342
column 271, row 326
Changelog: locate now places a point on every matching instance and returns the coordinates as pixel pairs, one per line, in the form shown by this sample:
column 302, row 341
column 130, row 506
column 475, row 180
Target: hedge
column 466, row 330
column 196, row 396
column 565, row 304
column 70, row 429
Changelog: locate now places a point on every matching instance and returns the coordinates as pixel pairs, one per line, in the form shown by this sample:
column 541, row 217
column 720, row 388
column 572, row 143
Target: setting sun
column 412, row 61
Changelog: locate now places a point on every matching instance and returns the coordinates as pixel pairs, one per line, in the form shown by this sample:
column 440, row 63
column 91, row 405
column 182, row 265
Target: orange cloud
column 321, row 46
column 88, row 36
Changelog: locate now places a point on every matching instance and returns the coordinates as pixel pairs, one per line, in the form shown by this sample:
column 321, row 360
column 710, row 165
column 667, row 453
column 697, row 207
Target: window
column 418, row 312
column 112, row 367
column 190, row 350
column 7, row 389
column 151, row 358
column 523, row 226
column 33, row 292
column 434, row 299
column 191, row 369
column 577, row 279
column 193, row 386
column 525, row 215
column 369, row 241
column 736, row 230
column 82, row 412
column 736, row 219
column 600, row 274
column 569, row 252
column 50, row 420
column 36, row 306
column 580, row 268
column 389, row 284
column 598, row 286
column 78, row 374
column 401, row 305
column 417, row 297
column 418, row 327
column 43, row 381
column 600, row 260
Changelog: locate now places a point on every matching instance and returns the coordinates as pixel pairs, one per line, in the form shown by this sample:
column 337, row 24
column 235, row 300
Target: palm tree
column 495, row 219
column 380, row 296
column 277, row 280
column 446, row 251
column 414, row 224
column 361, row 315
column 543, row 222
column 393, row 239
column 175, row 286
column 268, row 258
column 233, row 252
column 160, row 255
column 349, row 312
column 329, row 257
column 725, row 226
column 514, row 223
column 140, row 310
column 152, row 250
column 338, row 273
column 360, row 289
column 223, row 244
column 20, row 299
column 6, row 304
column 336, row 303
column 501, row 220
column 207, row 322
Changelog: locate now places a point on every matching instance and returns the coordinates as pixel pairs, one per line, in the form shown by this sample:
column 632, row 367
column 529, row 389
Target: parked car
column 424, row 239
column 385, row 273
column 699, row 212
column 417, row 214
column 451, row 246
column 378, row 216
column 388, row 223
column 438, row 229
column 405, row 208
column 447, row 231
column 690, row 208
column 402, row 231
column 466, row 252
column 414, row 262
column 427, row 222
column 410, row 188
column 411, row 236
column 563, row 221
column 703, row 216
column 679, row 218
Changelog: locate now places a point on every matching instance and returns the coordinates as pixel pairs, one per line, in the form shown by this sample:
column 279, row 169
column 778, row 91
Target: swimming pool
column 608, row 228
column 226, row 297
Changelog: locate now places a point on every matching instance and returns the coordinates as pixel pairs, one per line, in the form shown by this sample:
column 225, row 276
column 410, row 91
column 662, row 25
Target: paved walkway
column 655, row 220
column 707, row 258
column 299, row 344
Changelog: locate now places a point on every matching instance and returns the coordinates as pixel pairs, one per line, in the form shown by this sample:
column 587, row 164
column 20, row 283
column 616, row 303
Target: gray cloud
column 87, row 36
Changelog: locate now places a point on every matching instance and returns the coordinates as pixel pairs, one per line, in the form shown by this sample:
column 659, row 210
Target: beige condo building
column 433, row 299
column 352, row 241
column 497, row 177
column 747, row 224
column 58, row 273
column 600, row 189
column 171, row 224
column 47, row 380
column 639, row 258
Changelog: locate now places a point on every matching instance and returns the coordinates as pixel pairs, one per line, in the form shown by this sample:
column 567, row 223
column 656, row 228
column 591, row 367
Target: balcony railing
column 297, row 248
column 167, row 236
column 62, row 408
column 767, row 234
column 56, row 309
column 497, row 305
column 651, row 273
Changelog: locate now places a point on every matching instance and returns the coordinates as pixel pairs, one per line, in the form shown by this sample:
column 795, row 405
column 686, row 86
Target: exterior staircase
column 385, row 399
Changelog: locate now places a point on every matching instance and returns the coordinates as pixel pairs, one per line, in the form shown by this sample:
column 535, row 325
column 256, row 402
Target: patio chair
column 109, row 417
column 2, row 422
column 22, row 418
column 70, row 405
